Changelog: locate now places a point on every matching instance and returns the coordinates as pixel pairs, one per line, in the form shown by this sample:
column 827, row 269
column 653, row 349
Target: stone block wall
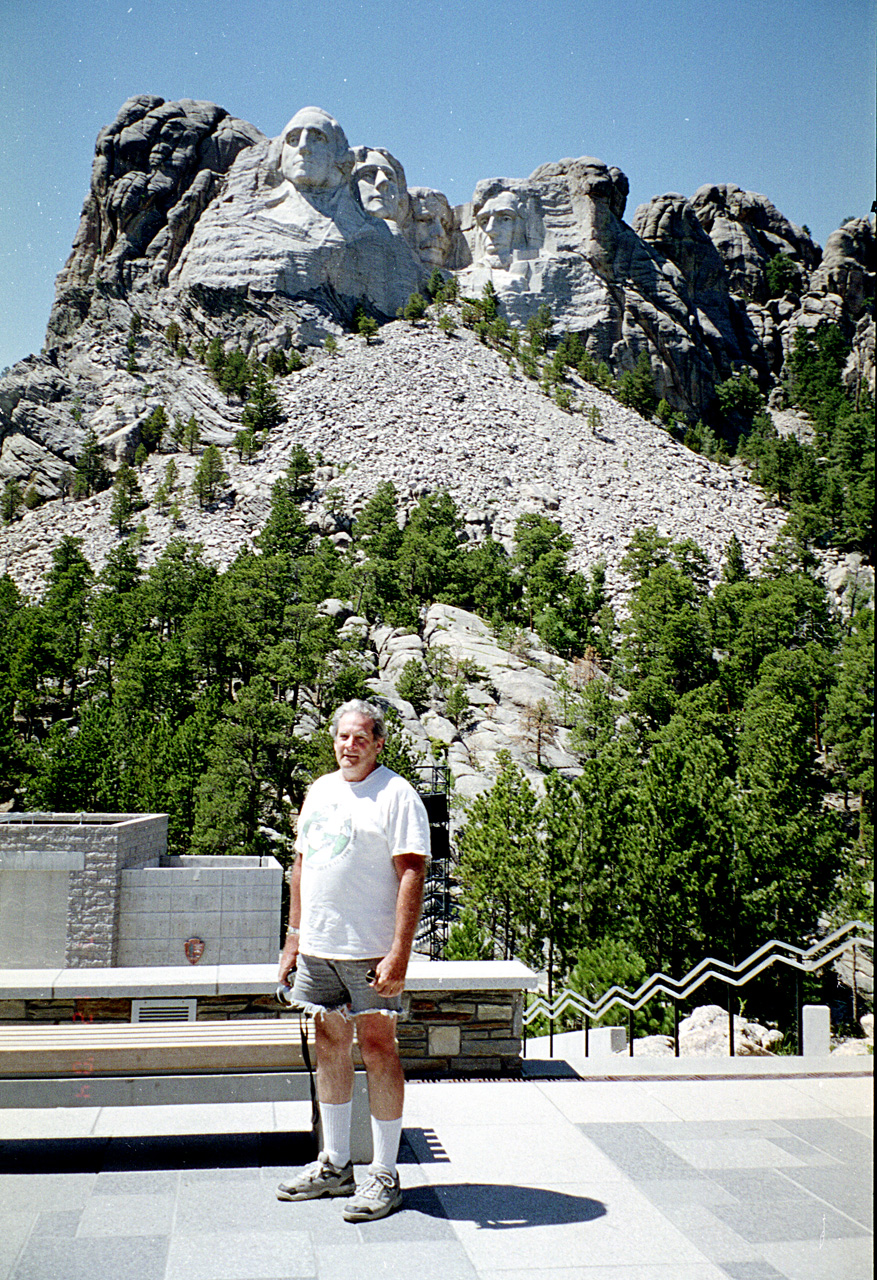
column 93, row 849
column 462, row 1033
column 445, row 1033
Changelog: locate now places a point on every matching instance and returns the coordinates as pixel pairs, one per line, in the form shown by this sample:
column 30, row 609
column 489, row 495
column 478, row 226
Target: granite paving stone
column 716, row 1240
column 822, row 1259
column 15, row 1228
column 635, row 1150
column 732, row 1153
column 33, row 1193
column 676, row 1192
column 396, row 1260
column 150, row 1214
column 545, row 1179
column 805, row 1153
column 799, row 1217
column 759, row 1270
column 242, row 1255
column 827, row 1096
column 119, row 1257
column 57, row 1222
column 606, row 1101
column 116, row 1182
column 604, row 1271
column 713, row 1130
column 624, row 1229
column 834, row 1139
column 859, row 1124
column 849, row 1190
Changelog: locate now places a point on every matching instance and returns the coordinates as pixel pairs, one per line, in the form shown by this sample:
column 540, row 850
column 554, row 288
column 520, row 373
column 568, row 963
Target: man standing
column 355, row 897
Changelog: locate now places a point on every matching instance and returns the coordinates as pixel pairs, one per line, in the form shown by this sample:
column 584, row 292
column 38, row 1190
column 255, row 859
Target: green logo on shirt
column 326, row 836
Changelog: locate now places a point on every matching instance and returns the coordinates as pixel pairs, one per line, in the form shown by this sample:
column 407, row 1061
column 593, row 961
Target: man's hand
column 390, row 974
column 288, row 957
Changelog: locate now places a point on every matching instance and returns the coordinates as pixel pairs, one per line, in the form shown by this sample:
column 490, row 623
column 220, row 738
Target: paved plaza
column 751, row 1169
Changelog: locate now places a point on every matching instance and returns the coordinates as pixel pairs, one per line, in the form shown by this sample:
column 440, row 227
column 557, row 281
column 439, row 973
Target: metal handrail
column 805, row 960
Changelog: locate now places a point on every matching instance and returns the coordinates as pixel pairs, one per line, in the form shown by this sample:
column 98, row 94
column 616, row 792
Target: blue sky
column 778, row 98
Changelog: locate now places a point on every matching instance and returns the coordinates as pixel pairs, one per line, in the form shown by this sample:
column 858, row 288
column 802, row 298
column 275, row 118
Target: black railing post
column 630, row 1033
column 675, row 1028
column 731, row 1019
column 855, row 988
column 587, row 1034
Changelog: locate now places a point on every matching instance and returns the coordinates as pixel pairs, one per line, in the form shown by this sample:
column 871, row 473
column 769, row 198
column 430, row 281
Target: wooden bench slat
column 239, row 1031
column 152, row 1049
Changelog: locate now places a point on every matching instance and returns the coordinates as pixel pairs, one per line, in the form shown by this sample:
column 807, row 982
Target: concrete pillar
column 816, row 1027
column 603, row 1041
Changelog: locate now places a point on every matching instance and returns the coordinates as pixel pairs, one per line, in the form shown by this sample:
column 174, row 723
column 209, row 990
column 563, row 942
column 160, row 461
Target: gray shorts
column 324, row 986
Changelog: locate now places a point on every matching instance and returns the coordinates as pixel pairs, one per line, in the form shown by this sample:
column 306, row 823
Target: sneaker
column 319, row 1179
column 379, row 1195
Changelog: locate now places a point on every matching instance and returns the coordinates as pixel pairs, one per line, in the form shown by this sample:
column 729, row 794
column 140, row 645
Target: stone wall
column 462, row 1033
column 445, row 1033
column 93, row 849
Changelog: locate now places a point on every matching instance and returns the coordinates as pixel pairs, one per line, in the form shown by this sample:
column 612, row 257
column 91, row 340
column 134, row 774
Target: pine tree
column 209, row 475
column 91, row 474
column 127, row 496
column 262, row 410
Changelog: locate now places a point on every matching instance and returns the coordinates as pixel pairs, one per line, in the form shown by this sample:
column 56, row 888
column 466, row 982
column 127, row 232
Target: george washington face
column 313, row 152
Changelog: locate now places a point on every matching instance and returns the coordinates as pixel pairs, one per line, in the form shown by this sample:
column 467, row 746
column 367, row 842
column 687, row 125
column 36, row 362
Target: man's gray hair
column 356, row 706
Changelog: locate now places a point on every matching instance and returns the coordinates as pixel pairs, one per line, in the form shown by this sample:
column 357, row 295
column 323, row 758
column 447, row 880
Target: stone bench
column 67, row 1037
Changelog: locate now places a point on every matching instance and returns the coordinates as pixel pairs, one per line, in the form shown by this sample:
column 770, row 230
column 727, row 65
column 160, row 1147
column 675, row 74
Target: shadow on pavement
column 497, row 1207
column 174, row 1151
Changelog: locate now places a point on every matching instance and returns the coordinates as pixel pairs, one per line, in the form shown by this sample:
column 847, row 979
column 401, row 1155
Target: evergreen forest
column 723, row 726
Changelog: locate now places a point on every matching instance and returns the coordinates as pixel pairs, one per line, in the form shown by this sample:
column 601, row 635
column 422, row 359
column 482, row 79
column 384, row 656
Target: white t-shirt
column 348, row 835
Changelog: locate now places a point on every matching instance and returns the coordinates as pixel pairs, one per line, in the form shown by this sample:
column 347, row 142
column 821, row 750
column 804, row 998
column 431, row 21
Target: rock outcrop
column 156, row 169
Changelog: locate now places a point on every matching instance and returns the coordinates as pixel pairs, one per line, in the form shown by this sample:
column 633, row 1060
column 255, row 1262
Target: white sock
column 336, row 1131
column 386, row 1135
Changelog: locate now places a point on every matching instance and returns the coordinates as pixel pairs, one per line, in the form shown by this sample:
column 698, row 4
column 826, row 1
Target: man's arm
column 411, row 871
column 289, row 954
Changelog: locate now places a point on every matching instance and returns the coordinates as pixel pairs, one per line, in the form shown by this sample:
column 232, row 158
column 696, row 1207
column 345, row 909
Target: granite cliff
column 196, row 220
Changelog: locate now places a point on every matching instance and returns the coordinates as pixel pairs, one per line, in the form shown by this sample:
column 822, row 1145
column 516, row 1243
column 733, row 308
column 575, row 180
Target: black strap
column 306, row 1054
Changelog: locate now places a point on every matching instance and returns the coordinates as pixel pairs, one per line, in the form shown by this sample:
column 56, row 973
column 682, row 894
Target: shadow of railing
column 856, row 934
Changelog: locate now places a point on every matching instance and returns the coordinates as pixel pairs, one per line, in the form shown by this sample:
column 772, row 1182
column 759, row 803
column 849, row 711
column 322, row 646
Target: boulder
column 704, row 1033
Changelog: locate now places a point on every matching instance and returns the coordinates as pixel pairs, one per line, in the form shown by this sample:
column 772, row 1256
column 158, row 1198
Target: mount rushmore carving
column 198, row 217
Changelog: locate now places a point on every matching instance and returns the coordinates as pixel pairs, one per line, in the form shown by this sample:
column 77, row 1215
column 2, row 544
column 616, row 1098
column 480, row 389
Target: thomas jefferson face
column 309, row 158
column 378, row 186
column 498, row 221
column 433, row 223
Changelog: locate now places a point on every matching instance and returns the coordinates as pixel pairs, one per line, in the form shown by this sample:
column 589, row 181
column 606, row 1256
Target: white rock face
column 277, row 235
column 502, row 692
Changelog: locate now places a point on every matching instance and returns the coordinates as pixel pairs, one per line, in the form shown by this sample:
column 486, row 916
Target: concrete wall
column 231, row 903
column 33, row 918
